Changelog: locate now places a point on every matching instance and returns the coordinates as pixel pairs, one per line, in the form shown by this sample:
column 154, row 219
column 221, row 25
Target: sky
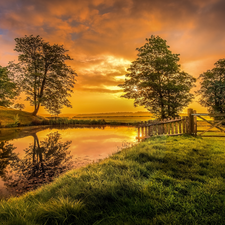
column 102, row 37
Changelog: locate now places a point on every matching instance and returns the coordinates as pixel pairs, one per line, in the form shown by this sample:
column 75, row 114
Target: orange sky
column 102, row 35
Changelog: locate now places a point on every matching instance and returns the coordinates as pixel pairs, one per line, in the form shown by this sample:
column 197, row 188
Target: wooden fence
column 169, row 127
column 177, row 126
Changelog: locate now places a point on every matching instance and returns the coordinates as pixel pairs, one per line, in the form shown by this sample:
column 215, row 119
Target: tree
column 156, row 82
column 7, row 88
column 212, row 89
column 42, row 73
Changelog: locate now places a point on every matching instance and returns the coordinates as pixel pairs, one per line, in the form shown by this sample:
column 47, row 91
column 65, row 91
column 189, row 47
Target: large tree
column 156, row 82
column 212, row 88
column 42, row 73
column 7, row 88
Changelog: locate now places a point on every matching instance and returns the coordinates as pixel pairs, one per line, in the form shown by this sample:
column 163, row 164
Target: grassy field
column 12, row 118
column 163, row 180
column 119, row 117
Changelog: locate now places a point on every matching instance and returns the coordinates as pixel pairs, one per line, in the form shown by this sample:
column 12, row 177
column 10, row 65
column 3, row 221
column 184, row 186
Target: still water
column 38, row 158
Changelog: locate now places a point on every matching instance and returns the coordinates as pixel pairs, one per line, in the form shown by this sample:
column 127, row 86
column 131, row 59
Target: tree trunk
column 168, row 106
column 41, row 94
column 36, row 110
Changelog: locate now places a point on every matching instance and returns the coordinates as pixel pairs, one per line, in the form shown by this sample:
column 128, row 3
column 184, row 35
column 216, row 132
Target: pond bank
column 165, row 180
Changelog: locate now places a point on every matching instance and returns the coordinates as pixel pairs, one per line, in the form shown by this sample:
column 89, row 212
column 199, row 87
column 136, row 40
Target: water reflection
column 7, row 156
column 41, row 163
column 40, row 156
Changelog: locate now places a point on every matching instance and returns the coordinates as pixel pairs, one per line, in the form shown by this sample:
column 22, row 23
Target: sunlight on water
column 28, row 162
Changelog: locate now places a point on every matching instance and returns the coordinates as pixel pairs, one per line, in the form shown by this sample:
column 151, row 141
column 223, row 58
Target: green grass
column 66, row 121
column 13, row 118
column 164, row 180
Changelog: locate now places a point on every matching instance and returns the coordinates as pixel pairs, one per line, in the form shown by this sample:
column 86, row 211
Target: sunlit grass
column 12, row 118
column 164, row 180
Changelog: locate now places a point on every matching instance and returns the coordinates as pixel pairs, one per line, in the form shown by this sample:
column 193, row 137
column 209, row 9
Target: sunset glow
column 102, row 36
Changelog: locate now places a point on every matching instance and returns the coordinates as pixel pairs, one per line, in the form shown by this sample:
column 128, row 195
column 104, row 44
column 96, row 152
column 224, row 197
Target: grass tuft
column 61, row 211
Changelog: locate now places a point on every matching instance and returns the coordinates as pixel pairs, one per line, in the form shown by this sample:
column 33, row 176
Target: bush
column 36, row 122
column 16, row 120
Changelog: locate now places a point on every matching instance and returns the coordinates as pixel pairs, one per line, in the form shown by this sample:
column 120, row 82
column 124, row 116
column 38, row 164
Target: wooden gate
column 214, row 124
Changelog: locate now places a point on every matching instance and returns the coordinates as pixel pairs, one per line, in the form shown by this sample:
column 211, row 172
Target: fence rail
column 168, row 127
column 177, row 126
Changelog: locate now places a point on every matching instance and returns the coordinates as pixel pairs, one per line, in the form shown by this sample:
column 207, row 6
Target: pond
column 38, row 157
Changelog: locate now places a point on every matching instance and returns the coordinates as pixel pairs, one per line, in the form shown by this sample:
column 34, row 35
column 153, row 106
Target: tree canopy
column 156, row 82
column 42, row 73
column 212, row 88
column 7, row 88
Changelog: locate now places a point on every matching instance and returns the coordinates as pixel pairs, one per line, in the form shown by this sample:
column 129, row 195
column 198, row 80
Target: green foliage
column 8, row 115
column 43, row 74
column 19, row 106
column 16, row 120
column 66, row 121
column 164, row 180
column 156, row 82
column 7, row 88
column 15, row 123
column 212, row 89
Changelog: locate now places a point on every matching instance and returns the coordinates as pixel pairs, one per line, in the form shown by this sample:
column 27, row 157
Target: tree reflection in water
column 7, row 156
column 41, row 164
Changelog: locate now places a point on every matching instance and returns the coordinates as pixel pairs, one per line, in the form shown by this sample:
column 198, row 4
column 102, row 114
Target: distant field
column 203, row 126
column 113, row 114
column 123, row 117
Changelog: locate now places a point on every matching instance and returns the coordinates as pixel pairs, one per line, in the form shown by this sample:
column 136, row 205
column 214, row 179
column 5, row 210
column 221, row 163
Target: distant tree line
column 154, row 80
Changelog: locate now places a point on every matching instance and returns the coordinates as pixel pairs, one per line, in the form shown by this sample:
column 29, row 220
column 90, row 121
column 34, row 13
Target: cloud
column 102, row 74
column 102, row 35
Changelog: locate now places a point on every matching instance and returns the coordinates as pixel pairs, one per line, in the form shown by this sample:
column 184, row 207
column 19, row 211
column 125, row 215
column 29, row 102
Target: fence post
column 172, row 126
column 146, row 129
column 180, row 131
column 176, row 128
column 187, row 124
column 154, row 130
column 195, row 123
column 191, row 121
column 168, row 127
column 150, row 131
column 160, row 127
column 165, row 126
column 184, row 124
column 142, row 129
